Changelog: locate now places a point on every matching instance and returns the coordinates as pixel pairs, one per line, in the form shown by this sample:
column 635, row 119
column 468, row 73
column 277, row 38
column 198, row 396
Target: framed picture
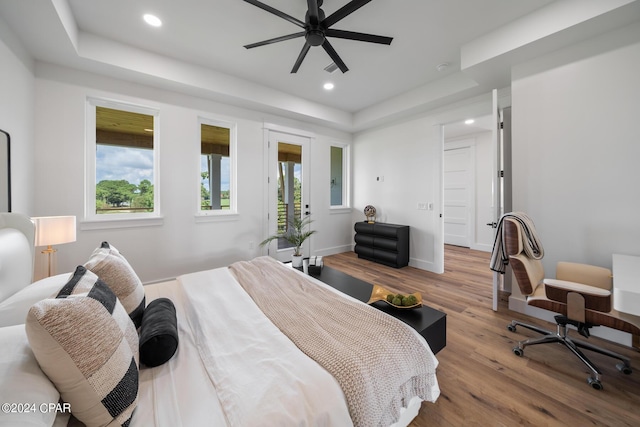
column 5, row 172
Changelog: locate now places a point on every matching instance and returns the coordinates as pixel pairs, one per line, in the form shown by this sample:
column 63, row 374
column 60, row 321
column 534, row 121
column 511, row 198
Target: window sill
column 339, row 210
column 217, row 217
column 107, row 224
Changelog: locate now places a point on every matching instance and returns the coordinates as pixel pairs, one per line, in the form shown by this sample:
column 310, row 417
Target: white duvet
column 257, row 376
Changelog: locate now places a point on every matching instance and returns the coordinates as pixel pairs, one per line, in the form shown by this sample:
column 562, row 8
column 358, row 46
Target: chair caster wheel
column 512, row 328
column 625, row 369
column 594, row 383
column 518, row 351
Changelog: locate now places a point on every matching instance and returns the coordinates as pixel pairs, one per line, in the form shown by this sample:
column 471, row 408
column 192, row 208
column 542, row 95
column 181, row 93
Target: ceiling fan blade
column 334, row 55
column 313, row 12
column 343, row 12
column 276, row 12
column 275, row 40
column 303, row 53
column 351, row 35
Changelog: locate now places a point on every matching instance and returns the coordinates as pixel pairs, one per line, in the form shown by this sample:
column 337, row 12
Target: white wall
column 405, row 156
column 17, row 116
column 576, row 153
column 181, row 244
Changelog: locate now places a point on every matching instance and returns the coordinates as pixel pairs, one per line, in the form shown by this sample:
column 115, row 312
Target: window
column 121, row 162
column 339, row 176
column 217, row 183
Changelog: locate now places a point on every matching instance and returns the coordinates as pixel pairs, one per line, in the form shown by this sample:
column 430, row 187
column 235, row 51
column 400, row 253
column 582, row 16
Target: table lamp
column 54, row 230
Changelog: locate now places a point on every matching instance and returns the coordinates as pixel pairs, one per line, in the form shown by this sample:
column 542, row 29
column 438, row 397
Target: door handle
column 307, row 213
column 492, row 224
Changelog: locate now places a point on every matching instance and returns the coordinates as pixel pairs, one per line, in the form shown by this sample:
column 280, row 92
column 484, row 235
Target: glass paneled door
column 288, row 189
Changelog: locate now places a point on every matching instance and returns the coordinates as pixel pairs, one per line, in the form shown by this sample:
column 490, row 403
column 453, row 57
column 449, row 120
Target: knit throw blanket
column 378, row 361
column 530, row 243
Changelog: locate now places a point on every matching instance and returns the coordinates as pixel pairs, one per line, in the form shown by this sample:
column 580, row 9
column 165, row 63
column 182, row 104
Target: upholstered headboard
column 16, row 253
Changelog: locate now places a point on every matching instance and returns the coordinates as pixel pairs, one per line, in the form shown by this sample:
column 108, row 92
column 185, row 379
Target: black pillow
column 158, row 332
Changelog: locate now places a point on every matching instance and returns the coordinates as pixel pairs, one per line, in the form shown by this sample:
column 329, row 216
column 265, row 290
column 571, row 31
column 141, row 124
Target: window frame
column 218, row 214
column 346, row 195
column 92, row 220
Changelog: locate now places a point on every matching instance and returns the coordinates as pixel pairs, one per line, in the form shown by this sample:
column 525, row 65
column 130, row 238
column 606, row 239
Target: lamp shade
column 54, row 230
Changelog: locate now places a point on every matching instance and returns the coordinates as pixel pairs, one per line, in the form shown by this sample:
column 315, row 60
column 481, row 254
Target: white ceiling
column 199, row 50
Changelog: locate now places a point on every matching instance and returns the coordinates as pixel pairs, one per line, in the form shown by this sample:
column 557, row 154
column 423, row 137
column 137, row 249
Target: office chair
column 581, row 293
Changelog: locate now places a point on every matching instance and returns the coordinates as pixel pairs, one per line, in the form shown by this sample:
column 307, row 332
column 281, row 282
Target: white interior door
column 288, row 184
column 458, row 195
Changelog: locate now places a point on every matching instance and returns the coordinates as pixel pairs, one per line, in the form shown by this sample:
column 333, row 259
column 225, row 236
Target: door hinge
column 501, row 174
column 501, row 125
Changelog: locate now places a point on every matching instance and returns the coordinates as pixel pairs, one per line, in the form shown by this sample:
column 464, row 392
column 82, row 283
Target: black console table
column 386, row 244
column 429, row 322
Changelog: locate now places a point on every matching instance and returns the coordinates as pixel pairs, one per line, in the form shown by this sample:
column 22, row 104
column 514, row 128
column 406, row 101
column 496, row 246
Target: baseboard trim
column 334, row 250
column 481, row 247
column 422, row 264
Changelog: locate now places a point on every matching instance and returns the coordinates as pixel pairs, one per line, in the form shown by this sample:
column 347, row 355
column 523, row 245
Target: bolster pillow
column 158, row 332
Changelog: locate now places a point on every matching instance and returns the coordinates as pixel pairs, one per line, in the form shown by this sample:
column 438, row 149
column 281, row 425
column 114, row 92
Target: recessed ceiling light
column 328, row 86
column 152, row 20
column 442, row 67
column 469, row 122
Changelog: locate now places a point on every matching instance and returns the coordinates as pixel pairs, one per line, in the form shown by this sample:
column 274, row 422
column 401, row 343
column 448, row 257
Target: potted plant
column 296, row 235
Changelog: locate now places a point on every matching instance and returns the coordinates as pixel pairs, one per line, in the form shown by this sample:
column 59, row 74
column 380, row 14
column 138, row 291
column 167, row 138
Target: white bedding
column 233, row 367
column 257, row 375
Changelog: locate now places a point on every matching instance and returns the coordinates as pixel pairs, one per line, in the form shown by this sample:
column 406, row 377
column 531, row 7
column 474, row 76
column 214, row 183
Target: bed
column 249, row 353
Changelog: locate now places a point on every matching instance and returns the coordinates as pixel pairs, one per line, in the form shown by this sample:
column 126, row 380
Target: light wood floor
column 482, row 382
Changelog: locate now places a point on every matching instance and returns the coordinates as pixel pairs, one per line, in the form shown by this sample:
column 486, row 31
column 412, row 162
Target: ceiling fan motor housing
column 314, row 37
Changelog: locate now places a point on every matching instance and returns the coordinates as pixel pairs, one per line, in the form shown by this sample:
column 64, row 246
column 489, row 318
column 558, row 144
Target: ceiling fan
column 317, row 28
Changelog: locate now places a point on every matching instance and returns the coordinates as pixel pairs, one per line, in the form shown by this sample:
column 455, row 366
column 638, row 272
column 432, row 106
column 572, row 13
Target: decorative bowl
column 380, row 294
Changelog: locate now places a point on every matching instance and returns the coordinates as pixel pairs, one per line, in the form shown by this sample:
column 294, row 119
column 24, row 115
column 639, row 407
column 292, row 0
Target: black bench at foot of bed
column 429, row 322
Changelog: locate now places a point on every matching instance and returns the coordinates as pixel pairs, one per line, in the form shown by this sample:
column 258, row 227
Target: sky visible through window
column 136, row 164
column 116, row 163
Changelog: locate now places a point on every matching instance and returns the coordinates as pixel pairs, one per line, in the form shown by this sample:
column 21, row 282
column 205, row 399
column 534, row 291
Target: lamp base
column 49, row 252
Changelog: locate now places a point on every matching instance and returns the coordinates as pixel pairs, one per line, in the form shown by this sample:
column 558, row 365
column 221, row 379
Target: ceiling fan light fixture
column 152, row 20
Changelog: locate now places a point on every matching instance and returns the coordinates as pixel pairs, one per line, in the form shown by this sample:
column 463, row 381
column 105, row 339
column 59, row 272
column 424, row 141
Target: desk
column 626, row 284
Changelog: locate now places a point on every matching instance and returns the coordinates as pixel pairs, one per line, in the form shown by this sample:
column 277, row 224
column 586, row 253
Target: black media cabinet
column 386, row 244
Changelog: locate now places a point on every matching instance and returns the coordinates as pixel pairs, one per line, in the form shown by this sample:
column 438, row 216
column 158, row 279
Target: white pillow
column 13, row 310
column 22, row 381
column 114, row 270
column 87, row 345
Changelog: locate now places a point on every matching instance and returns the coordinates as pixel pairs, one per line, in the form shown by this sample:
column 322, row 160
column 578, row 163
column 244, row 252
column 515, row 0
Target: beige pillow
column 113, row 269
column 87, row 345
